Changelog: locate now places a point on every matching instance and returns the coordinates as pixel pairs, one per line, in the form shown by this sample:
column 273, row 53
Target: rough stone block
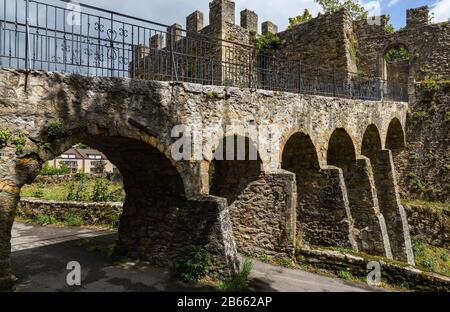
column 249, row 20
column 269, row 27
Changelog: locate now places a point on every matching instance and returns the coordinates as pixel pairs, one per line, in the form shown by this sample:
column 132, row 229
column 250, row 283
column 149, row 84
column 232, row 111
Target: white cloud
column 175, row 11
column 373, row 7
column 441, row 10
column 392, row 3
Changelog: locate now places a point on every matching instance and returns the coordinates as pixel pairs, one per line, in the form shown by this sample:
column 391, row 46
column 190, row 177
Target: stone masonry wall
column 91, row 213
column 430, row 225
column 424, row 168
column 323, row 41
column 116, row 115
column 263, row 214
column 428, row 45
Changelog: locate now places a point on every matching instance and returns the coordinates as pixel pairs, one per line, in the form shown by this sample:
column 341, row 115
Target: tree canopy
column 306, row 16
column 356, row 10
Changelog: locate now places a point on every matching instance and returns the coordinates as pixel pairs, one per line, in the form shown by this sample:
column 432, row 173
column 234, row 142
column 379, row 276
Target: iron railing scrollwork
column 86, row 40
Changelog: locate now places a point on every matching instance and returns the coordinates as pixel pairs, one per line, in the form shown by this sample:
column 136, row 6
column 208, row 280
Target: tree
column 306, row 16
column 267, row 44
column 389, row 27
column 397, row 54
column 99, row 166
column 356, row 10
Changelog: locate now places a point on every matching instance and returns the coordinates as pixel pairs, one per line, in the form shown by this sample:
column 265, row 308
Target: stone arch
column 406, row 65
column 158, row 221
column 234, row 166
column 341, row 150
column 361, row 189
column 259, row 202
column 371, row 143
column 322, row 217
column 396, row 73
column 299, row 156
column 395, row 138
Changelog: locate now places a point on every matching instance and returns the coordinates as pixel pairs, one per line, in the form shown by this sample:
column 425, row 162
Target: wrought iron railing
column 78, row 38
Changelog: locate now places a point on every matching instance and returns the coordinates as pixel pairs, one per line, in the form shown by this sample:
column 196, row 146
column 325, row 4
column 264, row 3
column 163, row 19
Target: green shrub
column 45, row 219
column 74, row 220
column 419, row 114
column 268, row 43
column 345, row 274
column 5, row 135
column 47, row 170
column 193, row 264
column 420, row 185
column 397, row 54
column 431, row 84
column 239, row 282
column 100, row 192
column 431, row 258
column 56, row 130
column 19, row 141
column 39, row 192
column 212, row 95
column 77, row 191
column 306, row 16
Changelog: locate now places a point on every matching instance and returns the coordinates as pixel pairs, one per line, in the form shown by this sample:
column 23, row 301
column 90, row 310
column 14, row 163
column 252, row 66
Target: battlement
column 223, row 12
column 417, row 17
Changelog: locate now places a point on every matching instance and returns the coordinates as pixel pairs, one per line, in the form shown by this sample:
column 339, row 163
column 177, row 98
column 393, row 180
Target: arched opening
column 236, row 164
column 360, row 185
column 396, row 142
column 395, row 139
column 371, row 142
column 255, row 199
column 158, row 222
column 341, row 151
column 396, row 70
column 300, row 157
column 153, row 189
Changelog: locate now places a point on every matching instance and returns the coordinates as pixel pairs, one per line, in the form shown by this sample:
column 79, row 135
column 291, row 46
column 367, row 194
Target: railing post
column 27, row 35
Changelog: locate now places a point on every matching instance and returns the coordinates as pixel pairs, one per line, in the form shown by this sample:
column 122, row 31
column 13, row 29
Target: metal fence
column 78, row 38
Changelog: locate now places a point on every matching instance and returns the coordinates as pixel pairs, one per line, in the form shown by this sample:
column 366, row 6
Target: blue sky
column 278, row 11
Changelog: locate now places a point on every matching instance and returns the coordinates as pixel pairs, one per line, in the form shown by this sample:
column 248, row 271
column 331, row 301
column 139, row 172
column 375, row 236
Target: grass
column 241, row 281
column 431, row 258
column 61, row 220
column 427, row 204
column 346, row 275
column 59, row 192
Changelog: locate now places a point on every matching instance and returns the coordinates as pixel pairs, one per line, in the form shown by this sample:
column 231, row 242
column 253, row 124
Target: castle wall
column 323, row 41
column 428, row 45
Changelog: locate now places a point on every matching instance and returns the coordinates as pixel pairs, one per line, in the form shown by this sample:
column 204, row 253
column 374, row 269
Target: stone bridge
column 329, row 182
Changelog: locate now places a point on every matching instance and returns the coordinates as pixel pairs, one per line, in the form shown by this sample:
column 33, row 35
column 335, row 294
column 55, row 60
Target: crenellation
column 249, row 21
column 269, row 27
column 174, row 34
column 221, row 12
column 157, row 42
column 194, row 22
column 417, row 17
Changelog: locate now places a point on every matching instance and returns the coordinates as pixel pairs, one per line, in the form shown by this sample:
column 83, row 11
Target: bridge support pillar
column 373, row 235
column 9, row 197
column 391, row 208
column 324, row 217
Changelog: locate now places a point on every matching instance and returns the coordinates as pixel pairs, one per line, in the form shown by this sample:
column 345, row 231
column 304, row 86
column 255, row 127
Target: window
column 68, row 156
column 95, row 157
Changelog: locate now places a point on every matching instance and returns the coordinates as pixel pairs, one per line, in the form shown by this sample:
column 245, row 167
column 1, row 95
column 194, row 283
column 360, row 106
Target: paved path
column 40, row 256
